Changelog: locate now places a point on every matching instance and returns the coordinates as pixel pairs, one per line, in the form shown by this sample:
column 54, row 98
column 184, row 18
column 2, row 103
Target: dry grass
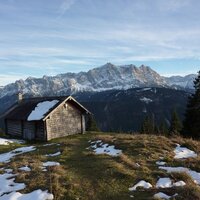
column 84, row 175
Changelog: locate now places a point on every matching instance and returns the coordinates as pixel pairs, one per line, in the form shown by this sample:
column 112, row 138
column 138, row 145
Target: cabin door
column 29, row 130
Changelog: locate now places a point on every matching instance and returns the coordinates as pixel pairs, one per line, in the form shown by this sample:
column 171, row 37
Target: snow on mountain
column 185, row 82
column 106, row 77
column 146, row 100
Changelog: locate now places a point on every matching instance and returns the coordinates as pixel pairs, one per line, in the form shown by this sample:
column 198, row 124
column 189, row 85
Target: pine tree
column 144, row 126
column 157, row 129
column 191, row 125
column 175, row 124
column 91, row 124
column 147, row 126
column 163, row 128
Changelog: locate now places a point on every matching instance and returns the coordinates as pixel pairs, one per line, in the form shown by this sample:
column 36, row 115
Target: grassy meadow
column 83, row 175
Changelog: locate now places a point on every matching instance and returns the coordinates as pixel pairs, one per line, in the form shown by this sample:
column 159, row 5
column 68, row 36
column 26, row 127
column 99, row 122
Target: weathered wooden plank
column 66, row 120
column 83, row 124
column 14, row 128
column 29, row 130
column 40, row 130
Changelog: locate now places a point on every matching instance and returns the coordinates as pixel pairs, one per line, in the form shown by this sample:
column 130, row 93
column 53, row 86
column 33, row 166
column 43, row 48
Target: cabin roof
column 26, row 106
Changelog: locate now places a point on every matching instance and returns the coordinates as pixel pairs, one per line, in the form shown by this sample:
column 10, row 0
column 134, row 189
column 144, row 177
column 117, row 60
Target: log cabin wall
column 65, row 120
column 14, row 128
column 25, row 129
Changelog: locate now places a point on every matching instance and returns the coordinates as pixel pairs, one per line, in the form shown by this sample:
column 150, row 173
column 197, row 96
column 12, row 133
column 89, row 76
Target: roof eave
column 61, row 103
column 86, row 110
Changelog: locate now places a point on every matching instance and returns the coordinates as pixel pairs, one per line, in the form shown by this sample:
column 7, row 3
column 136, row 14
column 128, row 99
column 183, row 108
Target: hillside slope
column 75, row 168
column 125, row 110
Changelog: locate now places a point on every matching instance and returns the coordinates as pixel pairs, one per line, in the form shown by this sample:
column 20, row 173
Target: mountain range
column 119, row 96
column 106, row 77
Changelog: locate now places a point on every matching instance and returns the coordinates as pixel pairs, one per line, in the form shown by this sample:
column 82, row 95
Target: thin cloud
column 89, row 33
column 173, row 5
column 10, row 78
column 66, row 5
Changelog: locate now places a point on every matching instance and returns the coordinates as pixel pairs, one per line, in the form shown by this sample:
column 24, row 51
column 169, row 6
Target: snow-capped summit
column 184, row 82
column 106, row 77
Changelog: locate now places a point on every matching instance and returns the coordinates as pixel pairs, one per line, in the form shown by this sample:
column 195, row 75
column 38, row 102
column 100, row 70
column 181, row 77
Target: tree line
column 190, row 127
column 149, row 126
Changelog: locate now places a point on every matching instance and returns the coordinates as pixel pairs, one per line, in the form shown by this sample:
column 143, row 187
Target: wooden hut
column 46, row 118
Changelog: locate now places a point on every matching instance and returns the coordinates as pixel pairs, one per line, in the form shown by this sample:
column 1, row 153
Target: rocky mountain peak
column 106, row 77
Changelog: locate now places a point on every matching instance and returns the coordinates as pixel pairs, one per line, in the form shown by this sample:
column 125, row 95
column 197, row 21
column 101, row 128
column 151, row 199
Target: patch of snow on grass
column 26, row 168
column 50, row 144
column 54, row 154
column 179, row 184
column 164, row 183
column 8, row 170
column 35, row 195
column 41, row 109
column 4, row 141
column 44, row 169
column 167, row 183
column 7, row 184
column 50, row 164
column 161, row 195
column 100, row 148
column 194, row 175
column 141, row 183
column 160, row 163
column 6, row 157
column 137, row 164
column 96, row 142
column 183, row 152
column 24, row 149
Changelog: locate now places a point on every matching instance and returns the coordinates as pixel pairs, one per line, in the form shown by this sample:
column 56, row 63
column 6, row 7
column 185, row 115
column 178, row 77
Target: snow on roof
column 183, row 152
column 41, row 109
column 141, row 183
column 35, row 195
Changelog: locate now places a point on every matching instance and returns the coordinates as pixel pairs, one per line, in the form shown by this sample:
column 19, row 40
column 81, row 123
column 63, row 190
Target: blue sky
column 48, row 37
